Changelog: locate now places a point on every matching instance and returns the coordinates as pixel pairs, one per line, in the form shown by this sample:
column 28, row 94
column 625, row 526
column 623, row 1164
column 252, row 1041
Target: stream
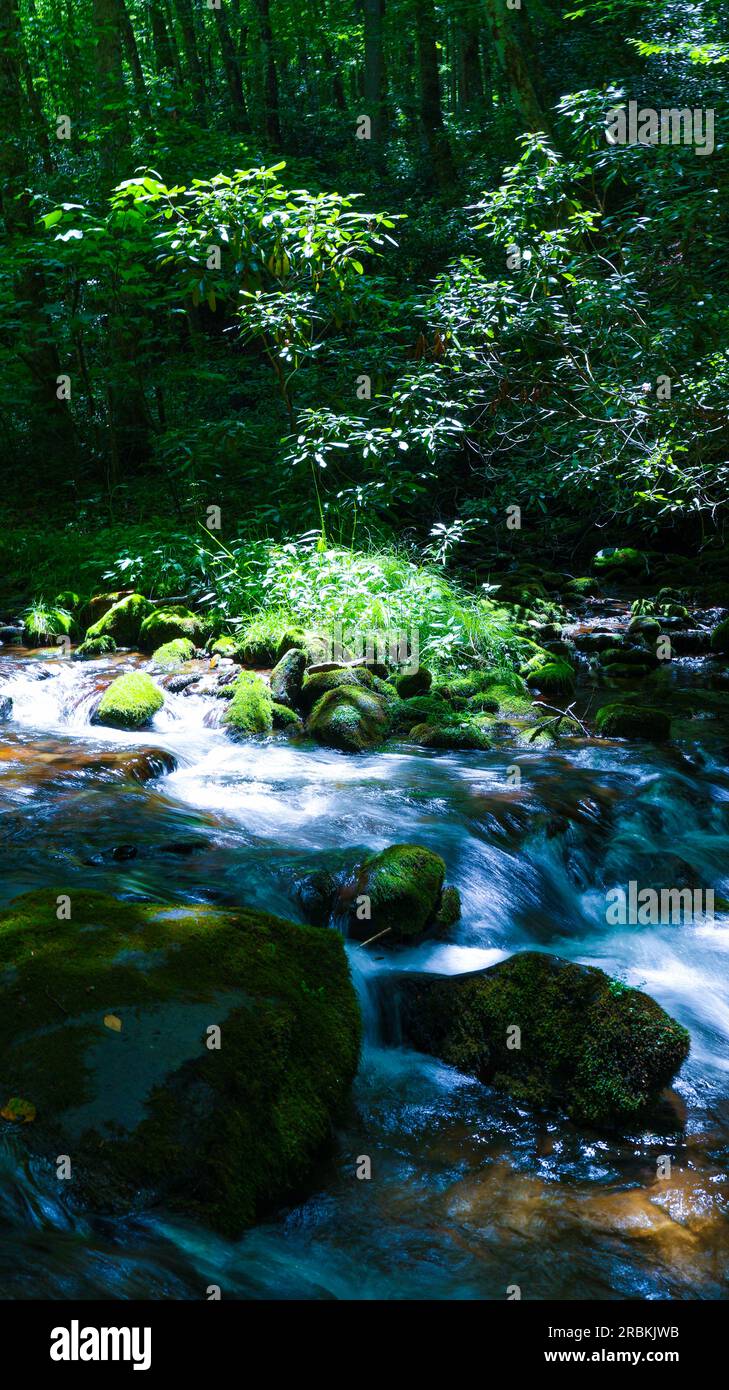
column 471, row 1193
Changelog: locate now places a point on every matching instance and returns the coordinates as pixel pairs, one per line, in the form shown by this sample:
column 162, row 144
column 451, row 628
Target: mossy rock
column 225, row 646
column 512, row 703
column 622, row 562
column 466, row 737
column 449, row 911
column 130, row 702
column 588, row 1043
column 251, row 707
column 461, row 688
column 104, row 1029
column 720, row 638
column 621, row 671
column 94, row 647
column 287, row 677
column 645, row 627
column 584, row 587
column 99, row 605
column 123, row 621
column 402, row 888
column 267, row 638
column 67, row 599
column 410, row 683
column 551, row 677
column 318, row 683
column 633, row 721
column 285, row 718
column 349, row 718
column 421, row 709
column 628, row 656
column 165, row 625
column 173, row 654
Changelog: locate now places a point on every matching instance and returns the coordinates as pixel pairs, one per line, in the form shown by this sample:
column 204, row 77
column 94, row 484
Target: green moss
column 251, row 708
column 285, row 718
column 94, row 647
column 287, row 676
column 720, row 638
column 627, row 656
column 42, row 623
column 225, row 646
column 165, row 625
column 149, row 1112
column 404, row 885
column 512, row 704
column 174, row 653
column 467, row 736
column 556, row 677
column 349, row 718
column 130, row 702
column 411, row 683
column 67, row 599
column 122, row 621
column 621, row 562
column 619, row 720
column 315, row 685
column 586, row 587
column 260, row 642
column 602, row 1052
column 449, row 911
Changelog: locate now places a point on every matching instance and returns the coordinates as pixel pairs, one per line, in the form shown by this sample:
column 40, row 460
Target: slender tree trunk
column 189, row 47
column 505, row 36
column 163, row 56
column 111, row 91
column 232, row 69
column 431, row 110
column 271, row 117
column 131, row 49
column 374, row 70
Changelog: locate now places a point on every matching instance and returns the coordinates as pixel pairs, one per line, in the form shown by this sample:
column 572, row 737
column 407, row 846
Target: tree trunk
column 189, row 47
column 163, row 57
column 132, row 54
column 431, row 110
column 232, row 69
column 374, row 70
column 271, row 119
column 513, row 62
column 115, row 138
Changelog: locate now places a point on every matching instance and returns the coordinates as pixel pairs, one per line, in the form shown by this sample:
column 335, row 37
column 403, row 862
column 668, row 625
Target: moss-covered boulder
column 720, row 638
column 130, row 702
column 225, row 646
column 285, row 718
column 625, row 655
column 93, row 648
column 584, row 587
column 251, row 708
column 621, row 562
column 399, row 891
column 123, row 621
column 585, row 1042
column 551, row 677
column 459, row 736
column 318, row 683
column 619, row 720
column 173, row 654
column 287, row 677
column 108, row 1029
column 350, row 718
column 410, row 683
column 165, row 625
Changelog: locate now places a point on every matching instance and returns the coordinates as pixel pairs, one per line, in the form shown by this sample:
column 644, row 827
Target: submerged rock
column 349, row 718
column 105, row 1029
column 130, row 702
column 633, row 721
column 586, row 1041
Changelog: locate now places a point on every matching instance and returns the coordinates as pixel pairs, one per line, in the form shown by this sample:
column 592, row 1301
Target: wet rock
column 285, row 718
column 596, row 641
column 174, row 654
column 105, row 1028
column 11, row 636
column 694, row 642
column 465, row 736
column 163, row 626
column 399, row 891
column 550, row 677
column 350, row 718
column 251, row 708
column 626, row 655
column 94, row 647
column 287, row 677
column 411, row 683
column 620, row 720
column 720, row 638
column 130, row 702
column 318, row 683
column 622, row 563
column 6, row 707
column 586, row 1042
column 182, row 683
column 315, row 895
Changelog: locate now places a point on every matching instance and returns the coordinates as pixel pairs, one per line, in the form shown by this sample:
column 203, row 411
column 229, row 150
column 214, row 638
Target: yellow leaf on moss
column 22, row 1112
column 111, row 1021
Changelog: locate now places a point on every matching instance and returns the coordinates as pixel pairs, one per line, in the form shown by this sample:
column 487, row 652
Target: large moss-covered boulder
column 108, row 1030
column 585, row 1042
column 318, row 683
column 550, row 676
column 400, row 892
column 349, row 718
column 251, row 707
column 94, row 648
column 171, row 655
column 130, row 702
column 165, row 625
column 620, row 720
column 719, row 641
column 621, row 562
column 459, row 736
column 122, row 621
column 287, row 676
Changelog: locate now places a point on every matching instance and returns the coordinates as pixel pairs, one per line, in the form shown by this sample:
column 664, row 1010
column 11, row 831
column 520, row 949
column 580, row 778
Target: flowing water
column 470, row 1192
